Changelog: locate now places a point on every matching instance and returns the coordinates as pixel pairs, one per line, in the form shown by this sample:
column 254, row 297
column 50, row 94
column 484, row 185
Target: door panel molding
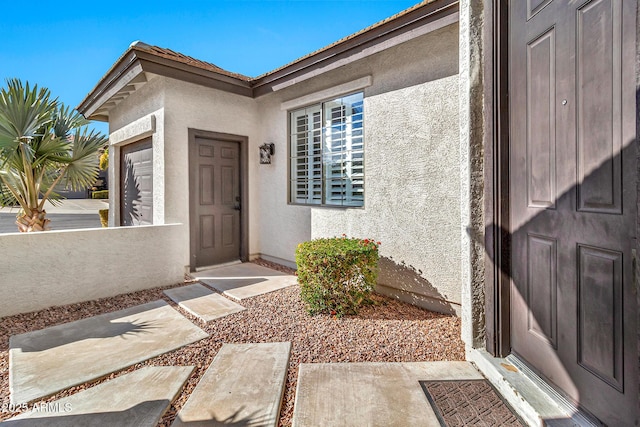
column 588, row 202
column 194, row 174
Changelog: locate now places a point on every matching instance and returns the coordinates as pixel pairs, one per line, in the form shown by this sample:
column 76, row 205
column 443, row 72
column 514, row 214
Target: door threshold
column 224, row 264
column 531, row 397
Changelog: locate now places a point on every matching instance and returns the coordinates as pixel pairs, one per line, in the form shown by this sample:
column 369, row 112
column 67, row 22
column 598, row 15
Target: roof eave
column 124, row 70
column 414, row 23
column 130, row 70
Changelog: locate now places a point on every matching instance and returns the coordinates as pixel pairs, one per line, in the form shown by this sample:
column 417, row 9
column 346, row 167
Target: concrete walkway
column 137, row 399
column 371, row 394
column 243, row 387
column 240, row 281
column 202, row 302
column 44, row 362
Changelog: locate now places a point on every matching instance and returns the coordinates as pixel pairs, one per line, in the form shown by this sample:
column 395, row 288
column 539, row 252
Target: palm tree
column 43, row 144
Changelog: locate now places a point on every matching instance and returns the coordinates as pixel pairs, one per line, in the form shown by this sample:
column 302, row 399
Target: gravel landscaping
column 388, row 331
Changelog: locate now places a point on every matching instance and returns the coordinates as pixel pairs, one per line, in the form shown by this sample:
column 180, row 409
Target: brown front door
column 215, row 201
column 572, row 199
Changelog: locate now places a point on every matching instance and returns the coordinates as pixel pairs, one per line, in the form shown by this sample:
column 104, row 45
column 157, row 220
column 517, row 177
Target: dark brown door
column 573, row 202
column 136, row 183
column 215, row 193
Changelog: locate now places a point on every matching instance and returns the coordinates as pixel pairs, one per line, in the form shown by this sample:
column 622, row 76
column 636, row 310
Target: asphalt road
column 59, row 221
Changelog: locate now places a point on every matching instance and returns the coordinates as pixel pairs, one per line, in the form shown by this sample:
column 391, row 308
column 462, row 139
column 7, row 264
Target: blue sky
column 68, row 46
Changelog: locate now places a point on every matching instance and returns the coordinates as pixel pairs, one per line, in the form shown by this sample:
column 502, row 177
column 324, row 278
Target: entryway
column 572, row 200
column 217, row 193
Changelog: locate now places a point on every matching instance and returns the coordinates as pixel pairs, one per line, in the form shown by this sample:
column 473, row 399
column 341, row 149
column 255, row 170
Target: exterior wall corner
column 472, row 116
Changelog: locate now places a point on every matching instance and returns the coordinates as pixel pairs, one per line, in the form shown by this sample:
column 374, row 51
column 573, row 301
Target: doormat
column 470, row 402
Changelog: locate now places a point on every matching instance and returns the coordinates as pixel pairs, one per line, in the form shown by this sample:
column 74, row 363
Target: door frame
column 243, row 143
column 496, row 163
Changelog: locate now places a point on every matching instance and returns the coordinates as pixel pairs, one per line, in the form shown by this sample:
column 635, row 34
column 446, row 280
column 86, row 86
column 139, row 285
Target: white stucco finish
column 472, row 127
column 177, row 107
column 412, row 199
column 189, row 106
column 411, row 202
column 86, row 265
column 137, row 117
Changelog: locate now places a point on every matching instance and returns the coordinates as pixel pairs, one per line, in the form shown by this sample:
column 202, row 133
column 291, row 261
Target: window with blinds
column 327, row 153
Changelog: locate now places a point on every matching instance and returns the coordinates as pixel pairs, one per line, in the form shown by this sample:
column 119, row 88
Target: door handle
column 237, row 207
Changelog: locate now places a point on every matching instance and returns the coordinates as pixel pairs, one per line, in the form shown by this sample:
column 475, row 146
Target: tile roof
column 349, row 37
column 188, row 60
column 139, row 50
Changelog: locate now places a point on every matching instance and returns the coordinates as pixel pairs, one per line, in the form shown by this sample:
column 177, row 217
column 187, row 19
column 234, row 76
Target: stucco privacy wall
column 83, row 265
column 412, row 199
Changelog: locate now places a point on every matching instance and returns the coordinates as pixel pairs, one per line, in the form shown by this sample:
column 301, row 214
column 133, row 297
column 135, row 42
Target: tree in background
column 104, row 159
column 42, row 144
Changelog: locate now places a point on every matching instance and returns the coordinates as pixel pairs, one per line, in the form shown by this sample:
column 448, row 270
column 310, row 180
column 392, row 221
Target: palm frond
column 11, row 188
column 66, row 120
column 24, row 111
column 82, row 170
column 44, row 145
column 52, row 149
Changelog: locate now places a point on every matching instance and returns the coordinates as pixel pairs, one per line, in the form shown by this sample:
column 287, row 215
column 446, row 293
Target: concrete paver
column 137, row 399
column 245, row 280
column 243, row 386
column 203, row 303
column 49, row 360
column 370, row 394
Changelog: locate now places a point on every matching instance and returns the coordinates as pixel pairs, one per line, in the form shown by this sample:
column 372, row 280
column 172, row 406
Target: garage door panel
column 136, row 184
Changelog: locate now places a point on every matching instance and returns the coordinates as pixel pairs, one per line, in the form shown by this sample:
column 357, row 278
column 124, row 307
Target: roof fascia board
column 127, row 69
column 177, row 70
column 419, row 22
column 136, row 62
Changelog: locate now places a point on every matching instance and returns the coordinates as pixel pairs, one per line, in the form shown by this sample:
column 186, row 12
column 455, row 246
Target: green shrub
column 100, row 194
column 337, row 275
column 104, row 217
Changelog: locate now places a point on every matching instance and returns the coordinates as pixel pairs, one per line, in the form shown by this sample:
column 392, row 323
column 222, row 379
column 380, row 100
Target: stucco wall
column 473, row 122
column 176, row 107
column 412, row 198
column 84, row 265
column 189, row 106
column 128, row 123
column 412, row 154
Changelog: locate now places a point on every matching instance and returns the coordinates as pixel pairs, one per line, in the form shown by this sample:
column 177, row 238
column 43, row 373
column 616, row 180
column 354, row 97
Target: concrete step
column 202, row 302
column 137, row 399
column 530, row 397
column 375, row 394
column 247, row 280
column 49, row 360
column 243, row 386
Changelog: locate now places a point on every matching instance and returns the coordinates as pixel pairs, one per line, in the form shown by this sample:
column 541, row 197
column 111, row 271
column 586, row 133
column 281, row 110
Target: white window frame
column 326, row 153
